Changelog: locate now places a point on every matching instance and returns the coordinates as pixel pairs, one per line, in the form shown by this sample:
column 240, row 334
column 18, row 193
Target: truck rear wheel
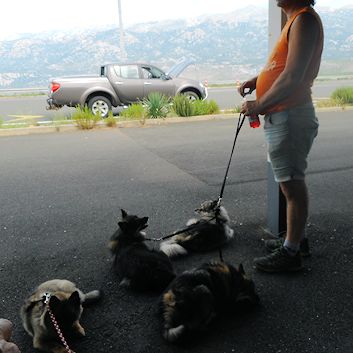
column 100, row 105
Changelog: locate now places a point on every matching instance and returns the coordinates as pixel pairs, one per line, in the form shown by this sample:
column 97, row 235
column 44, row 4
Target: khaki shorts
column 290, row 135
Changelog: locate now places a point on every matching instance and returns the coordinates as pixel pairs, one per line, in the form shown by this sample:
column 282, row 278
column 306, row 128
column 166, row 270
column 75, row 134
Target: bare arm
column 303, row 36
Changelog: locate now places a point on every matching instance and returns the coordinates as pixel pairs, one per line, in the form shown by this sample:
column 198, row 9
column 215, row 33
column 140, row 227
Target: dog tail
column 171, row 248
column 174, row 333
column 91, row 297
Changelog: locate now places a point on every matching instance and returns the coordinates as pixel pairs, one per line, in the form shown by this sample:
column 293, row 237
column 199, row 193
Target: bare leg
column 296, row 194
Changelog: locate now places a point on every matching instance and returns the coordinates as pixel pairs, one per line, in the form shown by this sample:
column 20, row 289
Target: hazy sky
column 21, row 16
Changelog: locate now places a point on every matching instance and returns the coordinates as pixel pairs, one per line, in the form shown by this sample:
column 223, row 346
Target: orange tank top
column 277, row 62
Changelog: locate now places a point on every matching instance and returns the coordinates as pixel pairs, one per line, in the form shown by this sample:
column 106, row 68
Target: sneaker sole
column 302, row 253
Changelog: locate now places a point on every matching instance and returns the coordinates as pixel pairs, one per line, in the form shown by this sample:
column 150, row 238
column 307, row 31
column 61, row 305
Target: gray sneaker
column 279, row 261
column 272, row 245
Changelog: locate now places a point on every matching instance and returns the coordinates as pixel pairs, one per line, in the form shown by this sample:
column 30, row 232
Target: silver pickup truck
column 121, row 85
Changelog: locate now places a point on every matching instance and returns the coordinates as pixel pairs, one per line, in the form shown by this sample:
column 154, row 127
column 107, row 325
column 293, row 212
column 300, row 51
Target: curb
column 122, row 124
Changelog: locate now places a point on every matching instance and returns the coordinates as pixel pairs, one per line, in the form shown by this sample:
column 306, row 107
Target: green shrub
column 343, row 95
column 110, row 120
column 213, row 107
column 237, row 109
column 84, row 118
column 133, row 111
column 200, row 107
column 203, row 107
column 1, row 122
column 156, row 105
column 182, row 105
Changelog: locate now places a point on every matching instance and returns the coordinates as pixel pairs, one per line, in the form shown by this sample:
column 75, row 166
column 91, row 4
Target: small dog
column 196, row 297
column 138, row 266
column 203, row 234
column 66, row 303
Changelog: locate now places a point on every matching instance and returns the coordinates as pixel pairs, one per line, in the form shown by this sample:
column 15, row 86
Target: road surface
column 61, row 196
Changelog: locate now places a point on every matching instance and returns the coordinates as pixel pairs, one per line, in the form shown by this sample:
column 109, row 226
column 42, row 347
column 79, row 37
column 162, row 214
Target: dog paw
column 191, row 221
column 79, row 330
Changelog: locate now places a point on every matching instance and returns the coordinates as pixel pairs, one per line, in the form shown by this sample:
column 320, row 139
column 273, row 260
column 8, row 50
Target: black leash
column 240, row 123
column 188, row 228
column 241, row 120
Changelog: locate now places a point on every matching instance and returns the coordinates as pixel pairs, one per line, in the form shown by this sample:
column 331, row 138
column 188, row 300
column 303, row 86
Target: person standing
column 283, row 95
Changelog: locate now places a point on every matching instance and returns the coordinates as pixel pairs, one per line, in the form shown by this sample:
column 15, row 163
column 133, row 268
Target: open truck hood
column 179, row 67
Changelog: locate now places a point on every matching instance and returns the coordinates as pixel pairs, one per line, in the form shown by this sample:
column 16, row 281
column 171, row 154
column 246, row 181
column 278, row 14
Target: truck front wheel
column 100, row 105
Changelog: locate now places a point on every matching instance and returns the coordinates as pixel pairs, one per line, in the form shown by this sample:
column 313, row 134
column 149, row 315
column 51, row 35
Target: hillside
column 225, row 46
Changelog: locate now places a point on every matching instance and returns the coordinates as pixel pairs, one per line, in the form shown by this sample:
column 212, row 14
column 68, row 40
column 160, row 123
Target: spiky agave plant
column 156, row 105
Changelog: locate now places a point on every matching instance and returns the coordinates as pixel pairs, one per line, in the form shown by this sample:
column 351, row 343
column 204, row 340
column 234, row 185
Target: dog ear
column 54, row 302
column 123, row 226
column 75, row 298
column 241, row 269
column 143, row 223
column 123, row 213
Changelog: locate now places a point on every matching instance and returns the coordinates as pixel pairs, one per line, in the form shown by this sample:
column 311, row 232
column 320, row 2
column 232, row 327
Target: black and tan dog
column 138, row 266
column 66, row 303
column 196, row 297
column 211, row 231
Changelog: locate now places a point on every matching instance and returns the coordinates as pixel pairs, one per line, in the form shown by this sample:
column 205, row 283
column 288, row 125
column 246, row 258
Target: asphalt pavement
column 61, row 196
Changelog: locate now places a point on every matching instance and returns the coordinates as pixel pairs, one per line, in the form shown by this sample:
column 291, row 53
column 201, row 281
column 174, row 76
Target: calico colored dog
column 196, row 297
column 66, row 303
column 209, row 232
column 138, row 266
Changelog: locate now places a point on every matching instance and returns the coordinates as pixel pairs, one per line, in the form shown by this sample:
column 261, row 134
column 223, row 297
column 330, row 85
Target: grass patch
column 182, row 106
column 84, row 118
column 134, row 111
column 110, row 120
column 203, row 107
column 326, row 103
column 343, row 96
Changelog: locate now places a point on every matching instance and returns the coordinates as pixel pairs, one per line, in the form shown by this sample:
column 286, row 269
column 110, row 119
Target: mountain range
column 225, row 47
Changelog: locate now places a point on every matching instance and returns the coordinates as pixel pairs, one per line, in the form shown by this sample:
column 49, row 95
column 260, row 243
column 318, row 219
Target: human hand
column 250, row 108
column 8, row 347
column 250, row 85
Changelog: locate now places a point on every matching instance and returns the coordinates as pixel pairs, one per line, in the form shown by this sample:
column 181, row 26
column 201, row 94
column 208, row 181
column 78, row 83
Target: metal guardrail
column 10, row 91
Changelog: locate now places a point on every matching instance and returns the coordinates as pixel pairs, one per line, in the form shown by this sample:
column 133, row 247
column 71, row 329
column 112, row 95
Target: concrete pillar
column 276, row 203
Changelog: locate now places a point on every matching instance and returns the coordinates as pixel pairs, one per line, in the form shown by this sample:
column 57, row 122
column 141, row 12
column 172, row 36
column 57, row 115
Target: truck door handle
column 119, row 83
column 147, row 83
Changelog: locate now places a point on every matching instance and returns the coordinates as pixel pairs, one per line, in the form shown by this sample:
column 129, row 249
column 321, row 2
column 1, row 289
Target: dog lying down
column 196, row 297
column 138, row 266
column 66, row 302
column 211, row 231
